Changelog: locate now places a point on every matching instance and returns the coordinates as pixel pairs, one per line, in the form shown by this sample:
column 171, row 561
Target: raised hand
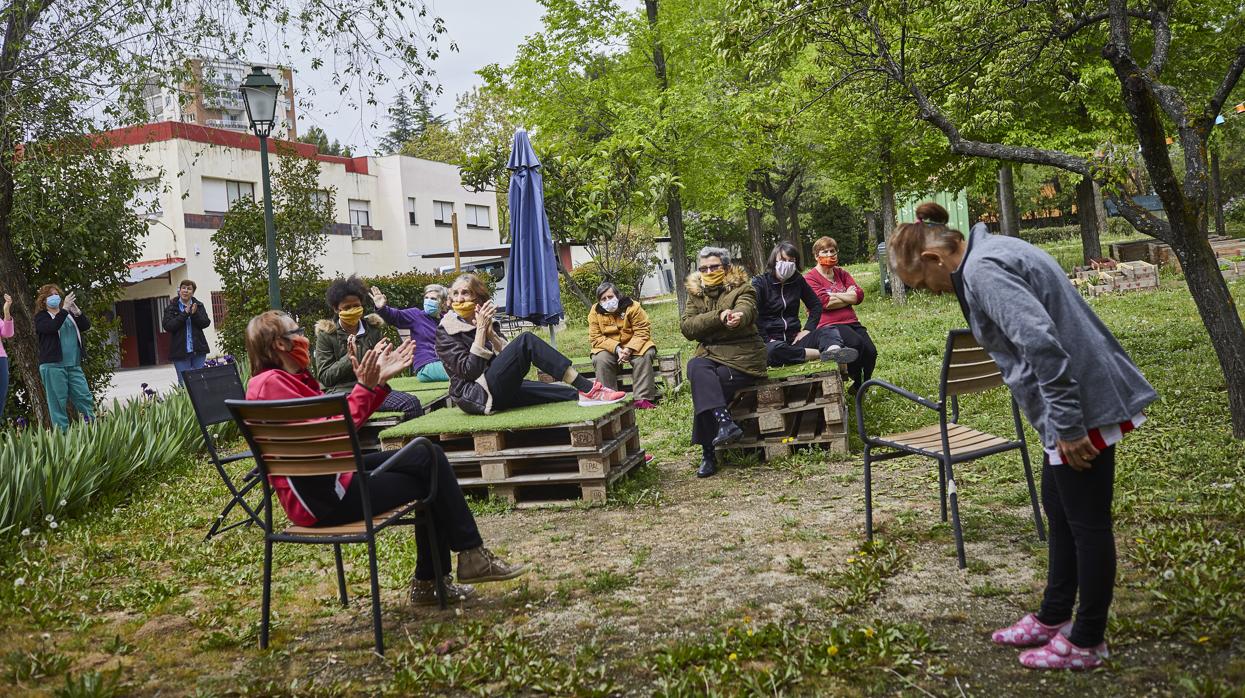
column 367, row 370
column 394, row 360
column 71, row 303
column 484, row 316
column 193, row 307
column 378, row 298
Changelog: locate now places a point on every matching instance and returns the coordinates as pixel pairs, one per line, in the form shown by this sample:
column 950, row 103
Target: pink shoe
column 600, row 395
column 648, row 458
column 1029, row 632
column 1060, row 653
column 644, row 405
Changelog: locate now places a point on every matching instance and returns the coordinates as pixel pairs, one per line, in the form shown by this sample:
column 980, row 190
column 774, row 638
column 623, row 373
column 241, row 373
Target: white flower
column 53, row 525
column 19, row 582
column 49, row 517
column 1168, row 574
column 64, row 502
column 25, row 531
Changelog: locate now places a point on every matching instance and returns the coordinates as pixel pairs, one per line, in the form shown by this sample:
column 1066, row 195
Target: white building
column 390, row 211
column 211, row 97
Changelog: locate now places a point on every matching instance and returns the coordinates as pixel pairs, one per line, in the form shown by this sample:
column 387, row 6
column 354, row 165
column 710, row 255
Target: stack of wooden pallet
column 781, row 413
column 550, row 464
column 1118, row 277
column 669, row 370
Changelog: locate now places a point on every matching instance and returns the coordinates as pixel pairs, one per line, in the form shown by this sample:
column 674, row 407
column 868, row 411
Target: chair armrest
column 860, row 397
column 405, row 451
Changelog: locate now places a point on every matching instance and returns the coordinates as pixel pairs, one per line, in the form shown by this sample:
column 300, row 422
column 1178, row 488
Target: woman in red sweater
column 838, row 292
column 279, row 352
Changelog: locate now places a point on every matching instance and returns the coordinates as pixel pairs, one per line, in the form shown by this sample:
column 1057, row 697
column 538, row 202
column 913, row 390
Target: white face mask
column 784, row 269
column 610, row 305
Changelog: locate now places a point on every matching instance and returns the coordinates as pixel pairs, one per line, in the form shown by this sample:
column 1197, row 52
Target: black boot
column 728, row 431
column 708, row 463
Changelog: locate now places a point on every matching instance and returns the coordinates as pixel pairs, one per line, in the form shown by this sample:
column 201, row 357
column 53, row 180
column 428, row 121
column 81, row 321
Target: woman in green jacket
column 721, row 314
column 332, row 367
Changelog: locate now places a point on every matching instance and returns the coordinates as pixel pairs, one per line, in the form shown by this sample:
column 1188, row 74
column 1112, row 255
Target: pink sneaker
column 1029, row 632
column 644, row 405
column 600, row 395
column 1060, row 653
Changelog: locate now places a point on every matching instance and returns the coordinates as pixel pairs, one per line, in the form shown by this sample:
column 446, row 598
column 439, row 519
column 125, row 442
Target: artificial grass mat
column 452, row 420
column 803, row 369
column 412, row 385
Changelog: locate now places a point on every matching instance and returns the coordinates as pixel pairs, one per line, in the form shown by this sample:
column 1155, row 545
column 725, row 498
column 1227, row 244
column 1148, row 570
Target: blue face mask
column 54, row 301
column 432, row 306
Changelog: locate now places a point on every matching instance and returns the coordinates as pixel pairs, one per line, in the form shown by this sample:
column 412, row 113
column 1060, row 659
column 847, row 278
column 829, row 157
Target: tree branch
column 1160, row 23
column 1225, row 89
column 1140, row 218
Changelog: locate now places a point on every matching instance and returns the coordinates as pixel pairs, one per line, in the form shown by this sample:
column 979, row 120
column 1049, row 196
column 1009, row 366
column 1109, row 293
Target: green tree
column 435, row 141
column 317, row 137
column 302, row 215
column 77, row 67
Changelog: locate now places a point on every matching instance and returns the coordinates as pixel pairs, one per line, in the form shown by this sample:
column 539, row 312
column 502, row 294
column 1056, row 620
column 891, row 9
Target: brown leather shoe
column 481, row 565
column 424, row 591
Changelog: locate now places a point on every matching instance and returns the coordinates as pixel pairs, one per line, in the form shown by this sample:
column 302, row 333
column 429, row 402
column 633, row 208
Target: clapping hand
column 8, row 302
column 71, row 303
column 484, row 316
column 193, row 307
column 734, row 318
column 381, row 362
column 378, row 298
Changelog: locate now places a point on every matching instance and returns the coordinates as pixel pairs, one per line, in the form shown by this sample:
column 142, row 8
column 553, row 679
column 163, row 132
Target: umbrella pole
column 553, row 336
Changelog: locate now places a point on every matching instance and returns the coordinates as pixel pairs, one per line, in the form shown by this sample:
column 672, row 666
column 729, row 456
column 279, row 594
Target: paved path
column 128, row 382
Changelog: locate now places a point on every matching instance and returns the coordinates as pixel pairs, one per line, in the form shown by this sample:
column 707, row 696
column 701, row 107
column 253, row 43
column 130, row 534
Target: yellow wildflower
column 868, row 632
column 1203, row 639
column 733, row 657
column 832, row 650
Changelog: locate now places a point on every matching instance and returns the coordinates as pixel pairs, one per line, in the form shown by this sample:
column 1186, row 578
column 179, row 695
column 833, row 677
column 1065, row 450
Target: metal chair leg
column 266, row 605
column 377, row 629
column 868, row 495
column 341, row 575
column 955, row 514
column 434, row 549
column 1033, row 498
column 942, row 489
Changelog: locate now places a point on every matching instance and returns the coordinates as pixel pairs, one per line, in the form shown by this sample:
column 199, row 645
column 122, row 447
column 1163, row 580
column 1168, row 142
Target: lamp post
column 259, row 94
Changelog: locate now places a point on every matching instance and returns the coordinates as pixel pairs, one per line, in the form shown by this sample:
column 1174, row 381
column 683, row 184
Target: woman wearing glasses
column 838, row 292
column 280, row 354
column 721, row 315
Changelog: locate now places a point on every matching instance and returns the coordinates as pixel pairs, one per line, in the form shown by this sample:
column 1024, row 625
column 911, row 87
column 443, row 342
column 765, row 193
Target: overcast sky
column 486, row 31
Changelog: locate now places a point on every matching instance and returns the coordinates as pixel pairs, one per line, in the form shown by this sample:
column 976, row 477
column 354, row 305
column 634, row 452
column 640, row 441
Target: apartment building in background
column 211, row 97
column 389, row 212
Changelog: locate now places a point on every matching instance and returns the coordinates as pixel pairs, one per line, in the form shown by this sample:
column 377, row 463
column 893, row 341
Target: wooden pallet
column 669, row 370
column 780, row 414
column 546, row 464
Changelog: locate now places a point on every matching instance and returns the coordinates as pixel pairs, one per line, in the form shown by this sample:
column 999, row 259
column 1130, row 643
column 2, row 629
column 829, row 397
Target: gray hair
column 718, row 252
column 443, row 293
column 607, row 286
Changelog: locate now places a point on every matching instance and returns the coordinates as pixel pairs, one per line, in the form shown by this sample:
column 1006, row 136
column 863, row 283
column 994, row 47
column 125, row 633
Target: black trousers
column 857, row 337
column 779, row 352
column 713, row 386
column 402, row 482
column 1082, row 546
column 505, row 374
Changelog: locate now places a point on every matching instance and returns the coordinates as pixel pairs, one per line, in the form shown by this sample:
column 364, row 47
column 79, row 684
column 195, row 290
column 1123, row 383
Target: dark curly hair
column 340, row 288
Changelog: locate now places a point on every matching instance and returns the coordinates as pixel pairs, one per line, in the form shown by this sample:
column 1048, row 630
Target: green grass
column 452, row 420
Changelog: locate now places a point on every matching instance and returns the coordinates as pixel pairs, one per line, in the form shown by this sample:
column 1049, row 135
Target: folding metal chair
column 966, row 368
column 208, row 389
column 316, row 436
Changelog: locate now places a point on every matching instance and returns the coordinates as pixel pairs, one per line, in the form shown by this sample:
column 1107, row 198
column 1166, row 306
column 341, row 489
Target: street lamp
column 259, row 94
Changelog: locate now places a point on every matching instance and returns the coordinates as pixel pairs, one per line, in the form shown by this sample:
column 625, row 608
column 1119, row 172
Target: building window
column 319, row 198
column 442, row 212
column 237, row 190
column 410, row 210
column 360, row 213
column 477, row 216
column 219, row 310
column 146, row 201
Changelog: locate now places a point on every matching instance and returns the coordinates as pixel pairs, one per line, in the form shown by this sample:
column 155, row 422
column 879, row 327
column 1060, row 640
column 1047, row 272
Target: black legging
column 779, row 352
column 402, row 482
column 1081, row 544
column 713, row 386
column 505, row 374
column 857, row 337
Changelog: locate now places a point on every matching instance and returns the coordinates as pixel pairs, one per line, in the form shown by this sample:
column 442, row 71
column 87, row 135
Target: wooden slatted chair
column 208, row 389
column 316, row 436
column 966, row 368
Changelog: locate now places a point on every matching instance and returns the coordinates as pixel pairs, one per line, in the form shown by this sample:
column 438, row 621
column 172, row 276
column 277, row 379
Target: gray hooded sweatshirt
column 1065, row 368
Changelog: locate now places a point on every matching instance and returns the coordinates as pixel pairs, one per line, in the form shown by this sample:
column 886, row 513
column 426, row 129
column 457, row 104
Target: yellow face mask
column 713, row 278
column 351, row 316
column 465, row 309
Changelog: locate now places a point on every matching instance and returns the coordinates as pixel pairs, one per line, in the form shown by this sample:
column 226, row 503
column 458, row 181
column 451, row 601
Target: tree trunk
column 1100, row 210
column 779, row 207
column 1216, row 189
column 1218, row 311
column 1091, row 244
column 888, row 214
column 793, row 208
column 871, row 225
column 1009, row 218
column 753, row 216
column 674, row 204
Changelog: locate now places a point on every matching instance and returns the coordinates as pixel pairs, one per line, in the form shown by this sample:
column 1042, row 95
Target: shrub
column 588, row 275
column 49, row 474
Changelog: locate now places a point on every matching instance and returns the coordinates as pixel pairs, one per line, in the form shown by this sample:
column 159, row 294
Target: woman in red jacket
column 838, row 292
column 279, row 352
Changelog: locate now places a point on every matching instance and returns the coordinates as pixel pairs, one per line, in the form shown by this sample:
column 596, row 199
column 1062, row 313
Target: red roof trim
column 171, row 130
column 158, row 262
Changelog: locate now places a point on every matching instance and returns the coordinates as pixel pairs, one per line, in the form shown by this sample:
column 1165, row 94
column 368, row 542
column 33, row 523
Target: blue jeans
column 188, row 364
column 4, row 383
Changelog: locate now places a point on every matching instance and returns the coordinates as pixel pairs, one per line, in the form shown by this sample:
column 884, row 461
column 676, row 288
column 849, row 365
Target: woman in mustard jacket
column 619, row 331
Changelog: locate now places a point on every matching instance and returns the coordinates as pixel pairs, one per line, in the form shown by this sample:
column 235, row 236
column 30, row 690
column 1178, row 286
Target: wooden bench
column 668, row 368
column 789, row 410
column 534, row 456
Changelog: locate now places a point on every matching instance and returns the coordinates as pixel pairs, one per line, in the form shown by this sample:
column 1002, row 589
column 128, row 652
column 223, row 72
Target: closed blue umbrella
column 532, row 291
